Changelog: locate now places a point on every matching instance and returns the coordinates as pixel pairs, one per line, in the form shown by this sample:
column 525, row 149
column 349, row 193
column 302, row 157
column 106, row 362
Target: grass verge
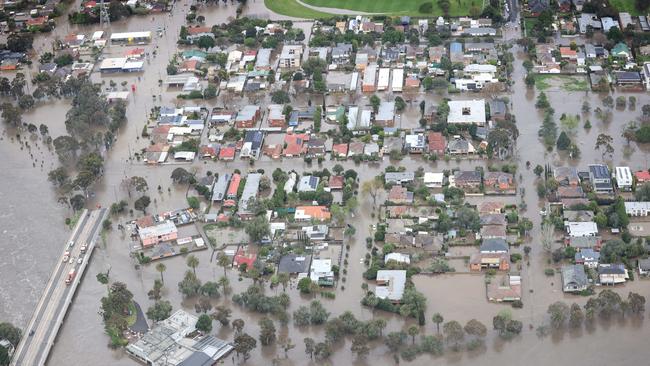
column 293, row 9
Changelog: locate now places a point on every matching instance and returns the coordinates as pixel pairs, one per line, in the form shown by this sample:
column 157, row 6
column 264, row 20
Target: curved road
column 335, row 11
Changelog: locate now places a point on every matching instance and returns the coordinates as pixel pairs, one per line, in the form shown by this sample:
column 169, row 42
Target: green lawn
column 391, row 7
column 625, row 6
column 564, row 82
column 293, row 9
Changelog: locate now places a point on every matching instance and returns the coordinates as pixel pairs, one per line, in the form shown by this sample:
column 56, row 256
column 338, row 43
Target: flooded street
column 32, row 229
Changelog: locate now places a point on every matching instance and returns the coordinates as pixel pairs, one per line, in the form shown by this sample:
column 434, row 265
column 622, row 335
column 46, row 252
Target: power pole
column 104, row 19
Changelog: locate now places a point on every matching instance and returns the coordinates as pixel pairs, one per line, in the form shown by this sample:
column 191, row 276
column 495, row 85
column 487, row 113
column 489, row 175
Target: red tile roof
column 198, row 30
column 234, row 185
column 336, row 182
column 244, row 257
column 436, row 142
column 227, row 153
column 340, row 149
column 642, row 176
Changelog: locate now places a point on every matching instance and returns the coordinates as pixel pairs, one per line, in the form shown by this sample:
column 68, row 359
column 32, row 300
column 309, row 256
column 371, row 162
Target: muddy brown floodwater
column 32, row 230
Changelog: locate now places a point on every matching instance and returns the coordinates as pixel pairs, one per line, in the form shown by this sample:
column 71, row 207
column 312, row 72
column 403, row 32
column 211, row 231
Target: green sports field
column 294, row 9
column 389, row 7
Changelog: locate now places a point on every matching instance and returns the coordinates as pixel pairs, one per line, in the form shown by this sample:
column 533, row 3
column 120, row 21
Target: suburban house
column 290, row 56
column 385, row 116
column 491, row 207
column 152, row 235
column 642, row 176
column 397, row 257
column 493, row 232
column 578, row 229
column 600, row 178
column 467, row 180
column 220, row 187
column 584, row 242
column 244, row 256
column 321, row 272
column 252, row 146
column 621, row 50
column 587, row 257
column 390, row 284
column 644, row 267
column 248, row 116
column 433, row 180
column 251, row 188
column 612, row 274
column 308, row 213
column 308, row 183
column 336, row 182
column 504, row 288
column 566, row 176
column 231, row 193
column 467, row 112
column 460, row 146
column 315, row 232
column 637, row 208
column 574, row 278
column 294, row 264
column 624, row 178
column 414, row 143
column 493, row 253
column 400, row 195
column 276, row 118
column 399, row 177
column 499, row 183
column 436, row 143
column 194, row 33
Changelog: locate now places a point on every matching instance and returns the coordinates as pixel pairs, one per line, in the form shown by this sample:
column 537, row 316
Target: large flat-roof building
column 624, row 178
column 390, row 284
column 467, row 112
column 600, row 178
column 167, row 344
column 248, row 194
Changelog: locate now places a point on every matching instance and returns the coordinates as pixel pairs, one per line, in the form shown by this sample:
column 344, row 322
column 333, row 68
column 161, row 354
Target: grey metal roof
column 293, row 263
column 574, row 274
column 494, row 245
column 599, row 171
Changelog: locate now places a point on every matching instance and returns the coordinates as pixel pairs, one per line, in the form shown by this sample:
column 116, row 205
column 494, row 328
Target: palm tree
column 223, row 261
column 160, row 267
column 193, row 262
column 438, row 319
column 283, row 278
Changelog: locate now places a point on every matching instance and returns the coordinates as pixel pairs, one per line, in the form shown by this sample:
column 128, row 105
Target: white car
column 80, row 260
column 71, row 260
column 65, row 258
column 70, row 243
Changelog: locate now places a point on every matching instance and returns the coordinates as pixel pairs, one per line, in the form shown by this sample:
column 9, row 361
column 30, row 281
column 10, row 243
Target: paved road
column 57, row 297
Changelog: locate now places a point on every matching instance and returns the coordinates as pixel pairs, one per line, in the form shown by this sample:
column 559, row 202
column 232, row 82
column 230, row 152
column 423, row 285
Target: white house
column 624, row 178
column 390, row 284
column 467, row 112
column 321, row 271
column 637, row 208
column 397, row 257
column 433, row 180
column 580, row 229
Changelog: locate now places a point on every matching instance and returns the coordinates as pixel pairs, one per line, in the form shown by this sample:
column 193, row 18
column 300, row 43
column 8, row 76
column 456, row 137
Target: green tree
column 395, row 340
column 360, row 345
column 375, row 102
column 414, row 304
column 244, row 344
column 413, row 331
column 258, row 228
column 437, row 319
column 160, row 267
column 222, row 315
column 576, row 316
column 563, row 141
column 475, row 328
column 454, row 333
column 160, row 310
column 559, row 312
column 223, row 261
column 204, row 324
column 190, row 285
column 310, row 344
column 205, row 42
column 193, row 262
column 142, row 203
column 267, row 331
